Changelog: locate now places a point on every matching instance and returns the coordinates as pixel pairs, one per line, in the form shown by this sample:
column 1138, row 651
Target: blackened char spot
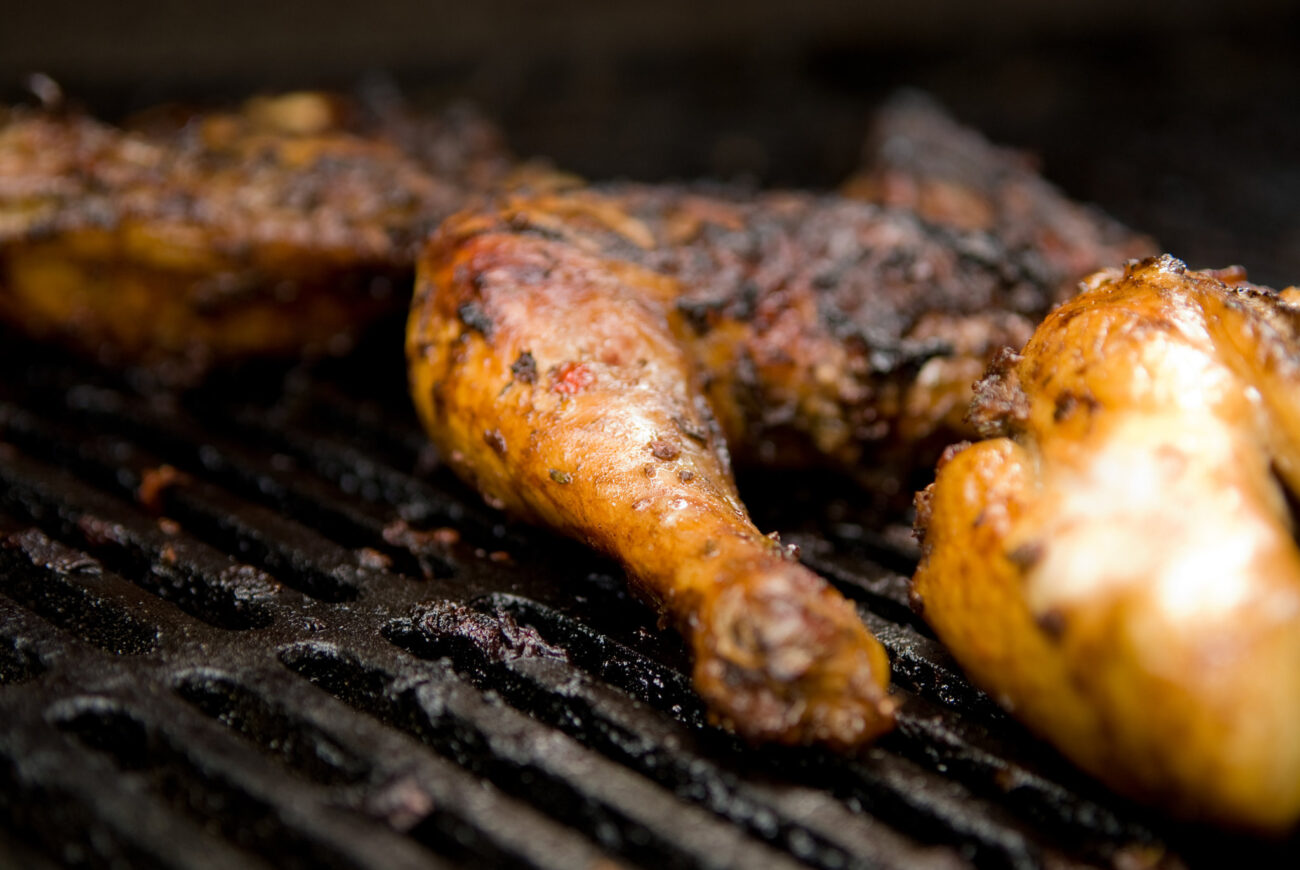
column 1052, row 623
column 699, row 313
column 999, row 404
column 524, row 368
column 704, row 313
column 522, row 224
column 473, row 316
column 494, row 439
column 1068, row 402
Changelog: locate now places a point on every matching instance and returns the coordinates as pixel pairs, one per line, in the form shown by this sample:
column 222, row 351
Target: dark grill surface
column 258, row 625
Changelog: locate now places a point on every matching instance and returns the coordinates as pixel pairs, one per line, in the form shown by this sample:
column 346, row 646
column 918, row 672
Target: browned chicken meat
column 588, row 358
column 275, row 229
column 1118, row 563
column 919, row 158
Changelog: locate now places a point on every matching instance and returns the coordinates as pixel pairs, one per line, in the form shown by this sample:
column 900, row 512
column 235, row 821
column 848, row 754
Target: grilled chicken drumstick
column 1118, row 562
column 186, row 239
column 588, row 357
column 564, row 392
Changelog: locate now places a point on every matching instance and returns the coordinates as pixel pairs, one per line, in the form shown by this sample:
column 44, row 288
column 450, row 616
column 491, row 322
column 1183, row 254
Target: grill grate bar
column 431, row 798
column 202, row 771
column 99, row 608
column 620, row 810
column 607, row 751
column 202, row 582
column 64, row 809
column 260, row 475
column 661, row 749
column 1066, row 809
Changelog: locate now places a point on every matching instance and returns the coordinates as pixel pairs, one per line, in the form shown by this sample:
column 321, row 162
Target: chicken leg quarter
column 562, row 389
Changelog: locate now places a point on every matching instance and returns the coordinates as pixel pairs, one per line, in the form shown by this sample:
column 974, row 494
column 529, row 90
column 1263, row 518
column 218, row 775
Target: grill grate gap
column 445, row 834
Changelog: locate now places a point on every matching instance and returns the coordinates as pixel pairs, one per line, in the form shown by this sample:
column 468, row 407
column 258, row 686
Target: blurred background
column 1181, row 118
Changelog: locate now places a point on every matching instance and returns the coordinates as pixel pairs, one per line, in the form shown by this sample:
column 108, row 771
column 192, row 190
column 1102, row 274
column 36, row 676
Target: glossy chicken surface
column 186, row 238
column 591, row 358
column 1117, row 563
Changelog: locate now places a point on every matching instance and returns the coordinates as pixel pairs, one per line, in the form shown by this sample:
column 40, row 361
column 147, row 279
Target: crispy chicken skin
column 191, row 238
column 562, row 387
column 918, row 157
column 1117, row 563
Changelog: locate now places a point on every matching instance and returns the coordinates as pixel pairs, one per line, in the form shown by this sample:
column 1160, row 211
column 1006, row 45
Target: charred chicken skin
column 190, row 238
column 588, row 358
column 1117, row 563
column 918, row 157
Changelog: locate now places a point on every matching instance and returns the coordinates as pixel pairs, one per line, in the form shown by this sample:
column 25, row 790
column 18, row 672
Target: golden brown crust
column 560, row 386
column 1118, row 565
column 277, row 229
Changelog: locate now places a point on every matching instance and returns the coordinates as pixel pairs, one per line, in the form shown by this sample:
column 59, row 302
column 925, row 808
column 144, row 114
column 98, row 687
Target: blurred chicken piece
column 918, row 157
column 187, row 238
column 1118, row 563
column 587, row 358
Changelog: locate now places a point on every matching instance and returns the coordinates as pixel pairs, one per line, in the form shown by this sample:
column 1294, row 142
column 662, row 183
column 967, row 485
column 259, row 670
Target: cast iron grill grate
column 257, row 625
